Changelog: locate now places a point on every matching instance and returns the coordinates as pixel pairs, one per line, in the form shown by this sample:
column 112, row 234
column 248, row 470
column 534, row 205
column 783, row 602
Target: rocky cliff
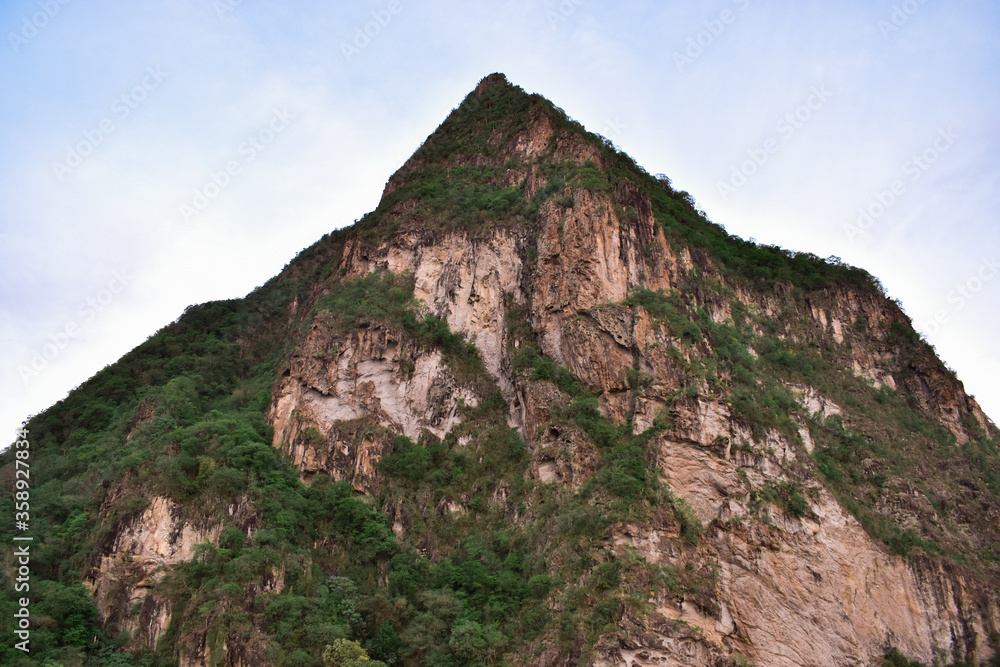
column 536, row 361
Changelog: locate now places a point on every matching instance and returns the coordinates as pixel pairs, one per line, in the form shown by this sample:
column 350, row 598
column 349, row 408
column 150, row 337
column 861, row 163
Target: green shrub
column 901, row 333
column 893, row 658
column 660, row 306
column 691, row 527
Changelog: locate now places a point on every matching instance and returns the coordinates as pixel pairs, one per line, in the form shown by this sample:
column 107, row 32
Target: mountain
column 534, row 409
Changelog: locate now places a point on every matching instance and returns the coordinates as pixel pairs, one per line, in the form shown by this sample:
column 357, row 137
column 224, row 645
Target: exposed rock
column 140, row 553
column 337, row 387
column 815, row 402
column 813, row 590
column 790, row 588
column 143, row 415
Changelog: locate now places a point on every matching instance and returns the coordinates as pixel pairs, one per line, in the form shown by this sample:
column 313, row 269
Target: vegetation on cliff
column 491, row 561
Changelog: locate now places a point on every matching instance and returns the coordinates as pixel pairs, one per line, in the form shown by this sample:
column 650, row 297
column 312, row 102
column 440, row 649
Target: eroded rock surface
column 791, row 588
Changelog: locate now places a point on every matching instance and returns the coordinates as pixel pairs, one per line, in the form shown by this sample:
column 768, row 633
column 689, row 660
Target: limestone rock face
column 138, row 554
column 141, row 553
column 336, row 387
column 808, row 590
column 803, row 587
column 817, row 590
column 463, row 280
column 814, row 590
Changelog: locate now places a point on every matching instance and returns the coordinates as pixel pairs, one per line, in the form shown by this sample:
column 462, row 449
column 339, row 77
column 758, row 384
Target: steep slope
column 533, row 409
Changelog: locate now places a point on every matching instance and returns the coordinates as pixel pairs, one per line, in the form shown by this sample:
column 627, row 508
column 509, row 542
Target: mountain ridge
column 534, row 408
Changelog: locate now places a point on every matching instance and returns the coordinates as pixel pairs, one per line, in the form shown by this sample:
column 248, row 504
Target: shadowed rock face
column 793, row 586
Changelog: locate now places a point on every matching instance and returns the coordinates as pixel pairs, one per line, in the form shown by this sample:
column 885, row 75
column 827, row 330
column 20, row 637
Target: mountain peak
column 533, row 382
column 495, row 109
column 497, row 138
column 492, row 80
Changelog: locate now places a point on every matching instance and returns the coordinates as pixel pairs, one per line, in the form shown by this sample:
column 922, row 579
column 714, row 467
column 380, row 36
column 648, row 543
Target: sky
column 156, row 155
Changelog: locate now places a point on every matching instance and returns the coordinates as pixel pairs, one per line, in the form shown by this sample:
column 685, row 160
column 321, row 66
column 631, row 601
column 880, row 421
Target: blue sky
column 156, row 155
